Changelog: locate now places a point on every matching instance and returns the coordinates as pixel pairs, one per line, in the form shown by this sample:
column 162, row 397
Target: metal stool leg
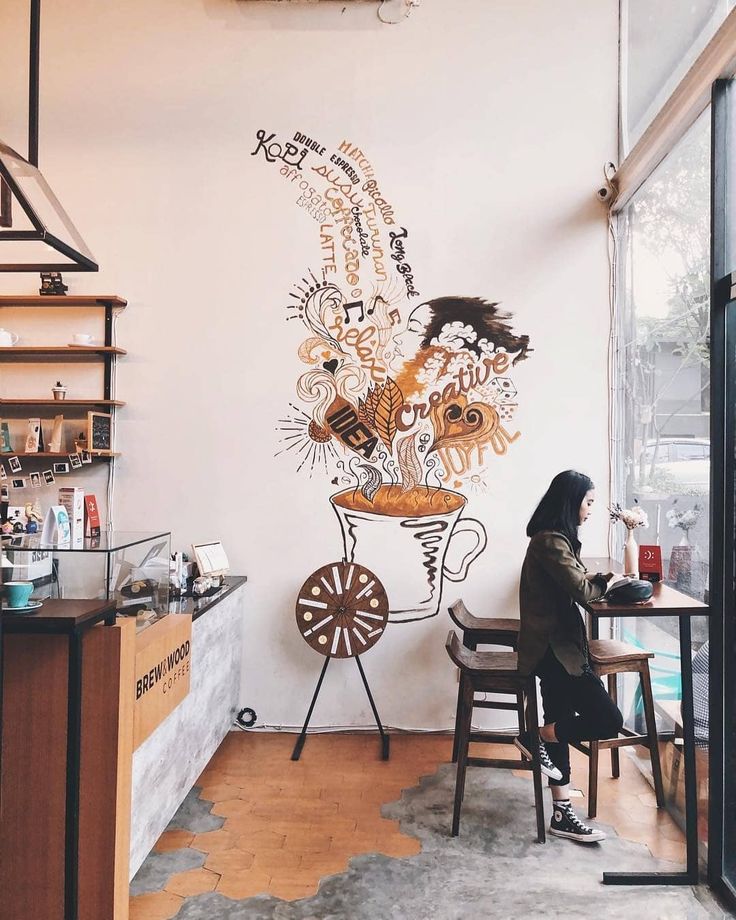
column 593, row 779
column 533, row 722
column 458, row 717
column 462, row 753
column 648, row 699
column 520, row 714
column 613, row 693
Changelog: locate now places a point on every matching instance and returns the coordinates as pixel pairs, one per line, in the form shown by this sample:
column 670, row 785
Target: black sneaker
column 525, row 744
column 565, row 823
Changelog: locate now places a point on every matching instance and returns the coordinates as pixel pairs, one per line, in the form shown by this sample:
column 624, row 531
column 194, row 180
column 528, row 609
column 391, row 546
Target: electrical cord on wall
column 113, row 414
column 607, row 194
column 408, row 7
column 368, row 729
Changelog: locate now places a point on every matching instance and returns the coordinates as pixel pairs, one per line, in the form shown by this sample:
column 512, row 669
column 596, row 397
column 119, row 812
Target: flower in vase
column 631, row 517
column 684, row 520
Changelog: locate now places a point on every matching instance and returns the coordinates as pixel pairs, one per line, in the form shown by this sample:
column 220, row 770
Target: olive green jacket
column 553, row 582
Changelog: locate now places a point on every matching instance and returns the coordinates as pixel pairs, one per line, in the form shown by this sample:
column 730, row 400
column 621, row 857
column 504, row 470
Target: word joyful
column 464, row 380
column 272, row 150
column 398, row 254
column 344, row 423
column 308, row 142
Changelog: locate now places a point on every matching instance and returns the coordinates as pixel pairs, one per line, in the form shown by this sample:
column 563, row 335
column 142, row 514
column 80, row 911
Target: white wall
column 487, row 124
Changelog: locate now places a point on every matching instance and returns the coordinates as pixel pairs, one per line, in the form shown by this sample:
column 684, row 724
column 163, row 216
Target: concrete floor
column 494, row 868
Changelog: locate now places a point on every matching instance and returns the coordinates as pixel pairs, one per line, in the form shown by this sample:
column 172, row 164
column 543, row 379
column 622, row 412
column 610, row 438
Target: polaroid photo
column 75, row 460
column 18, row 483
column 35, row 480
column 14, row 464
column 62, row 467
column 48, row 477
column 85, row 456
column 3, row 474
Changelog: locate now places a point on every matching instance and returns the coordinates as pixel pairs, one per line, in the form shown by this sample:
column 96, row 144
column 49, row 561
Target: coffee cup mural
column 404, row 402
column 418, row 526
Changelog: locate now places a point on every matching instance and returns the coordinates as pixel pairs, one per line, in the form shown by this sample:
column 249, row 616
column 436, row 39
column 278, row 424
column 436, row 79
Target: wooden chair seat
column 489, row 630
column 609, row 657
column 491, row 672
column 477, row 631
column 611, row 651
column 483, row 666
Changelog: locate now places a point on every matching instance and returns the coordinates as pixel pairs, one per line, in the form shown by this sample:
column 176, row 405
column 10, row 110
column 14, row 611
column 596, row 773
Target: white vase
column 684, row 540
column 631, row 555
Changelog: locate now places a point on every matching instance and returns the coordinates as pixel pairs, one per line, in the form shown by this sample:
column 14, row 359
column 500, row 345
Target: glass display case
column 130, row 568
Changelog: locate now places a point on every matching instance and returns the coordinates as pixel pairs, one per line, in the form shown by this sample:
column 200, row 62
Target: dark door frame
column 722, row 599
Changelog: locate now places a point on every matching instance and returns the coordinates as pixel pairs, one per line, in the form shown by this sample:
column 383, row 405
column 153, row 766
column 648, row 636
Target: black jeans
column 580, row 707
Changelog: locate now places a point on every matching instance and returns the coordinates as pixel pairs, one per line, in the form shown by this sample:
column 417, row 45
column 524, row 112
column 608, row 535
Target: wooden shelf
column 38, row 300
column 48, row 456
column 62, row 353
column 60, row 403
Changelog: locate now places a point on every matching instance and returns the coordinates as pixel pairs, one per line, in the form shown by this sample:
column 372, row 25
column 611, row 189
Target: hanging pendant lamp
column 36, row 233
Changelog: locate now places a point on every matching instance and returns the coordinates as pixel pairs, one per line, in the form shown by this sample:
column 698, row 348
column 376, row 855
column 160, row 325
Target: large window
column 662, row 419
column 660, row 39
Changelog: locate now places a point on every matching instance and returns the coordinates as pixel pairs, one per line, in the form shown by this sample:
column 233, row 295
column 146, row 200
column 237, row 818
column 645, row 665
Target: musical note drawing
column 395, row 318
column 356, row 305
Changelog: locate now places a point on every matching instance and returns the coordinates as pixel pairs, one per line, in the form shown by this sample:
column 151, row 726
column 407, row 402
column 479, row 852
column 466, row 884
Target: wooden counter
column 66, row 754
column 92, row 770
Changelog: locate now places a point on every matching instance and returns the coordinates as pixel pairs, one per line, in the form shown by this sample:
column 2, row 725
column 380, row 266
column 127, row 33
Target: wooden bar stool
column 492, row 672
column 485, row 631
column 609, row 657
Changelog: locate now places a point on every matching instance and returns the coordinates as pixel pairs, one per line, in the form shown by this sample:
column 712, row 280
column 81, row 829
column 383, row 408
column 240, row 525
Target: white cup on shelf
column 82, row 338
column 7, row 339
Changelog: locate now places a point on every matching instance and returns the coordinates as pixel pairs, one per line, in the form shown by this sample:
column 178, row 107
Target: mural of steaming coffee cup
column 404, row 538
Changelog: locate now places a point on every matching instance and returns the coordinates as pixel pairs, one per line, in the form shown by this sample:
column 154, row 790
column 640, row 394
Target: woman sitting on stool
column 553, row 643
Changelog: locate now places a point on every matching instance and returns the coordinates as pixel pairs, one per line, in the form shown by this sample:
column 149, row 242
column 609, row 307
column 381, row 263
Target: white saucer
column 31, row 605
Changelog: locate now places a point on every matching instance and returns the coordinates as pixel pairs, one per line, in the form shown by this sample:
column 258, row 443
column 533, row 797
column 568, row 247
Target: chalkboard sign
column 99, row 432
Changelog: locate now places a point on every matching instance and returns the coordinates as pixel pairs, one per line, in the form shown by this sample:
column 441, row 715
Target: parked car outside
column 682, row 464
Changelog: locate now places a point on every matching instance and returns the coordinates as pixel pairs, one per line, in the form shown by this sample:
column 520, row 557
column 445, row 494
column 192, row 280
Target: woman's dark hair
column 559, row 509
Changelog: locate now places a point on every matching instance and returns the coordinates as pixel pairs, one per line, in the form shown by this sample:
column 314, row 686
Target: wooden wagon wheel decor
column 341, row 612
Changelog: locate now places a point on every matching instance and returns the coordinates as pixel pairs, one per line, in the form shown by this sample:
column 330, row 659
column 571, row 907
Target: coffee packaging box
column 73, row 500
column 56, row 526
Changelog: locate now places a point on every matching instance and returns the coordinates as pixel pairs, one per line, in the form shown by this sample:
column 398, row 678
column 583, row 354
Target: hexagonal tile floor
column 260, row 830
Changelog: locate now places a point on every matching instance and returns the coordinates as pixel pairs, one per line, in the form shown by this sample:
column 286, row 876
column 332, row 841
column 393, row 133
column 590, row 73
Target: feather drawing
column 409, row 463
column 369, row 405
column 389, row 403
column 372, row 482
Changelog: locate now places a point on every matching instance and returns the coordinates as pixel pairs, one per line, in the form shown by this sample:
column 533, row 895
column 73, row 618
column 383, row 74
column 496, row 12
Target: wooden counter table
column 665, row 601
column 106, row 725
column 61, row 683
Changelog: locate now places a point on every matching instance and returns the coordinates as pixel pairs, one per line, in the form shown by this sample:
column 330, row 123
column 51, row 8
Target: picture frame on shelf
column 34, row 438
column 99, row 432
column 211, row 558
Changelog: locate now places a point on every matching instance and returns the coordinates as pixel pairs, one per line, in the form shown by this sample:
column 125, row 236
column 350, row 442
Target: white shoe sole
column 552, row 774
column 595, row 837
